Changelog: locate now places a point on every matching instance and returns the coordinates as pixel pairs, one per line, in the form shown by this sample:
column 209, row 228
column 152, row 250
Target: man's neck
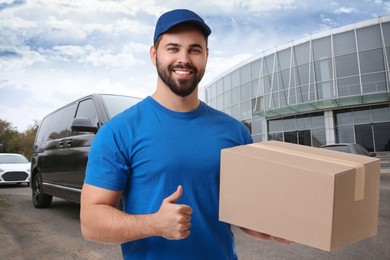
column 165, row 97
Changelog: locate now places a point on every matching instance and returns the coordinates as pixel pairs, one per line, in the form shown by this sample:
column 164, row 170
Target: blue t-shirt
column 147, row 151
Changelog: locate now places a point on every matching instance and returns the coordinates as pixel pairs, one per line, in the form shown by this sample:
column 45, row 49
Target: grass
column 4, row 203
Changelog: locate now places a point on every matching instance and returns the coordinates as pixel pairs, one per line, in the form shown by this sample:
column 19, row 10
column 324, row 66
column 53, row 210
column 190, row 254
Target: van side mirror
column 83, row 124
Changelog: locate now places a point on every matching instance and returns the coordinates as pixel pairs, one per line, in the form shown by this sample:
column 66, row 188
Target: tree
column 27, row 139
column 11, row 141
column 9, row 138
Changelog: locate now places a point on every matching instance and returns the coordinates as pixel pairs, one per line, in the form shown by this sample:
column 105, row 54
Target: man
column 162, row 157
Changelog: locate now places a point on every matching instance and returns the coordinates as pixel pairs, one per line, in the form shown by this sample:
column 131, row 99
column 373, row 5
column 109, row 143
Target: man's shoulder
column 217, row 114
column 129, row 116
column 229, row 124
column 140, row 107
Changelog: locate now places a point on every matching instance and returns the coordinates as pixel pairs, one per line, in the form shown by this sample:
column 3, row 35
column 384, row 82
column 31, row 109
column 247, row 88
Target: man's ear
column 153, row 54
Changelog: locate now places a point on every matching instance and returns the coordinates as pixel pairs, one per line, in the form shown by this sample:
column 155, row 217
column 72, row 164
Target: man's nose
column 183, row 57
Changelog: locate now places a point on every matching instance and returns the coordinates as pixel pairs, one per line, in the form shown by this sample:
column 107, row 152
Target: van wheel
column 40, row 200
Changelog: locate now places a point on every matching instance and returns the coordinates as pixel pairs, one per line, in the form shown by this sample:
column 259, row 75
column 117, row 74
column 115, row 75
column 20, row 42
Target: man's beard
column 181, row 87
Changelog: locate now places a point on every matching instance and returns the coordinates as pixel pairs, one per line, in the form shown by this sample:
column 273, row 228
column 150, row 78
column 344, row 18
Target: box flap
column 316, row 154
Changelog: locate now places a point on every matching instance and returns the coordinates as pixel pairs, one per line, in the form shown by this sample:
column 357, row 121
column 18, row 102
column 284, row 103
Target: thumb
column 175, row 196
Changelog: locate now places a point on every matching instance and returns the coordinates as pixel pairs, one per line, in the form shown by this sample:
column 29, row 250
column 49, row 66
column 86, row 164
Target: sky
column 55, row 51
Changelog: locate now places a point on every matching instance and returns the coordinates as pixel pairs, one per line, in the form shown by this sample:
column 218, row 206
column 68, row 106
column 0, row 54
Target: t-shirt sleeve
column 108, row 163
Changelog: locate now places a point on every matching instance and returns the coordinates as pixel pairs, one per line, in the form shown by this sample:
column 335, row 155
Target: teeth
column 182, row 72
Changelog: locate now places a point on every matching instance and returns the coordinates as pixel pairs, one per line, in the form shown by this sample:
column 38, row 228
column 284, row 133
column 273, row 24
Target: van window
column 116, row 104
column 56, row 125
column 45, row 128
column 62, row 122
column 87, row 109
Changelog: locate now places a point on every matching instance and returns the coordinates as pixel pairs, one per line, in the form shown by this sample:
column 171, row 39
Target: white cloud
column 98, row 56
column 12, row 59
column 63, row 30
column 220, row 64
column 327, row 22
column 131, row 26
column 16, row 23
column 387, row 6
column 129, row 7
column 345, row 10
column 255, row 6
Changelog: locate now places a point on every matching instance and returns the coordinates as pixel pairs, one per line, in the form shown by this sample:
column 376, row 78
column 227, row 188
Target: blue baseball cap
column 175, row 17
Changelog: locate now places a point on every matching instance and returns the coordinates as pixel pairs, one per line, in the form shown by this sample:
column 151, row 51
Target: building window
column 255, row 69
column 369, row 38
column 268, row 65
column 345, row 134
column 347, row 65
column 227, row 99
column 374, row 82
column 382, row 136
column 219, row 87
column 303, row 129
column 368, row 126
column 245, row 75
column 235, row 95
column 257, row 126
column 220, row 102
column 348, row 86
column 344, row 43
column 245, row 91
column 246, row 109
column 322, row 48
column 284, row 58
column 235, row 75
column 227, row 85
column 301, row 53
column 323, row 70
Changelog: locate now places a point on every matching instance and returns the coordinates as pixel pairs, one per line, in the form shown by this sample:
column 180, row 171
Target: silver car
column 14, row 169
column 349, row 148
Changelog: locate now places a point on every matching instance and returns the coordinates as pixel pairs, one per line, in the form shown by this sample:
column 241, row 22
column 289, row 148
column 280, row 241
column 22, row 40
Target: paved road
column 54, row 233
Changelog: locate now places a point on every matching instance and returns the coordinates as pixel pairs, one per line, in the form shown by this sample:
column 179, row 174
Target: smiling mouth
column 182, row 72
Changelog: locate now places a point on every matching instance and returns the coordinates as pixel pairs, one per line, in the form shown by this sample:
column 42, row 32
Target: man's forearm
column 102, row 222
column 106, row 224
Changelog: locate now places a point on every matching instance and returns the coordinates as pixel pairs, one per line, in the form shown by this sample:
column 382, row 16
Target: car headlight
column 28, row 170
column 1, row 170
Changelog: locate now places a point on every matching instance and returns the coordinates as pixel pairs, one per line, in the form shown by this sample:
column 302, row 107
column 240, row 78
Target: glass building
column 329, row 87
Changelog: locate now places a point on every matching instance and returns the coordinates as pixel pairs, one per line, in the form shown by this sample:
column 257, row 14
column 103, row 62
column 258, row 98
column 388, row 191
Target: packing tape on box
column 360, row 170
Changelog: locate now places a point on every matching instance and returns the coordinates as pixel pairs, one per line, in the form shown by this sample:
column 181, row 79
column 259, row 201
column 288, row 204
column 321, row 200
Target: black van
column 62, row 143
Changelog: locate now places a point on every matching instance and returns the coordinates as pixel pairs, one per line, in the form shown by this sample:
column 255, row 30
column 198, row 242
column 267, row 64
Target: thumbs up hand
column 173, row 220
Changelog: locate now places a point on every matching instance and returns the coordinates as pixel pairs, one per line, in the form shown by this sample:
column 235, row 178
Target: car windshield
column 116, row 104
column 340, row 148
column 12, row 158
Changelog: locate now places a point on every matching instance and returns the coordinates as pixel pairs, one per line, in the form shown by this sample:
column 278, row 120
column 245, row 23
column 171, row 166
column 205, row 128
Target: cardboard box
column 317, row 197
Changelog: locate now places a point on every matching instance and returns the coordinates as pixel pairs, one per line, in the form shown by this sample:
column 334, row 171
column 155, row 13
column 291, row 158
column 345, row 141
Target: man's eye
column 172, row 49
column 196, row 50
